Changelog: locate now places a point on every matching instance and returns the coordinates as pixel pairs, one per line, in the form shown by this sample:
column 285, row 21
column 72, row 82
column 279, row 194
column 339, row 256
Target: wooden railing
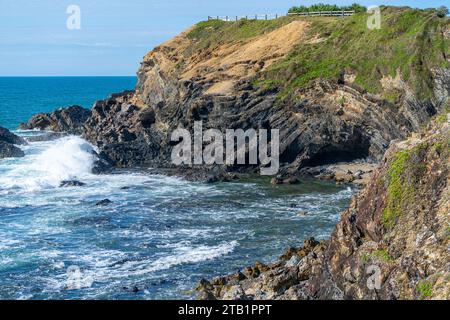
column 247, row 17
column 276, row 16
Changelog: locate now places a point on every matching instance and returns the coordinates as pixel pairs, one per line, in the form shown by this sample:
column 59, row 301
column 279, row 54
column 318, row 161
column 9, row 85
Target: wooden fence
column 276, row 16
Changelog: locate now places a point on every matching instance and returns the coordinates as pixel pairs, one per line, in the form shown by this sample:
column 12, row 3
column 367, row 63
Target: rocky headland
column 271, row 75
column 69, row 120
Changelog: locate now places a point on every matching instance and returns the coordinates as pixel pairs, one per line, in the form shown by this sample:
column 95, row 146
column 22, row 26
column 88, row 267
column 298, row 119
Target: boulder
column 71, row 183
column 48, row 136
column 9, row 137
column 103, row 202
column 8, row 150
column 70, row 120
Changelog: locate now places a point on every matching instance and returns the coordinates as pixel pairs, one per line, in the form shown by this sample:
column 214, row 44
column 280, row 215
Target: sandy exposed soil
column 232, row 62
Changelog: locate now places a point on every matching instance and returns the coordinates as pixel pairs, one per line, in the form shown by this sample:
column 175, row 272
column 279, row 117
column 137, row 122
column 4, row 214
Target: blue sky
column 114, row 34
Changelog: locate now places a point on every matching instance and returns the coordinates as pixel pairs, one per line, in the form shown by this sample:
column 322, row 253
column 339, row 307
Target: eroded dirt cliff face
column 392, row 243
column 217, row 73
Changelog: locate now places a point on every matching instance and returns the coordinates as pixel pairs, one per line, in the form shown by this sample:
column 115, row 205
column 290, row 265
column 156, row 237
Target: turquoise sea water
column 157, row 238
column 21, row 97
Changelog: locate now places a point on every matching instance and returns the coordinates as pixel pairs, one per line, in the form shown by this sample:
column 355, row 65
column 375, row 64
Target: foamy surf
column 47, row 164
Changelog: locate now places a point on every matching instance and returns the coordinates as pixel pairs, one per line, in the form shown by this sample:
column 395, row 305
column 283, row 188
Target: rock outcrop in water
column 70, row 120
column 392, row 243
column 8, row 140
column 9, row 137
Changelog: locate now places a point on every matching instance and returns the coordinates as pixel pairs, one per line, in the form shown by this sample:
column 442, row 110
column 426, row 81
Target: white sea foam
column 49, row 163
column 181, row 255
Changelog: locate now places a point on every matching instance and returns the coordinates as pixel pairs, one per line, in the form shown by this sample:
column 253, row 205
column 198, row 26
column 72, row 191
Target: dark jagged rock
column 103, row 202
column 70, row 120
column 71, row 183
column 7, row 144
column 122, row 132
column 8, row 150
column 101, row 165
column 9, row 137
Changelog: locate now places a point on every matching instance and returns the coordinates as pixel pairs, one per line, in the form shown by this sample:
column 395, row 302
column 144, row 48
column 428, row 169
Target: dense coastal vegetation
column 341, row 94
column 327, row 7
column 409, row 43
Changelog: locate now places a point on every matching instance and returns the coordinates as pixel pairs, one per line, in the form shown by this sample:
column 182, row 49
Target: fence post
column 276, row 15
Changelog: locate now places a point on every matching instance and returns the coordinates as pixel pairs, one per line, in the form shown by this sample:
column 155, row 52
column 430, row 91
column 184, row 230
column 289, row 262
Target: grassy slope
column 409, row 40
column 209, row 34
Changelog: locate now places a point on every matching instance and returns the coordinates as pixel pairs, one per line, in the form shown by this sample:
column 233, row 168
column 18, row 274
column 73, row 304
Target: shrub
column 425, row 289
column 442, row 11
column 327, row 7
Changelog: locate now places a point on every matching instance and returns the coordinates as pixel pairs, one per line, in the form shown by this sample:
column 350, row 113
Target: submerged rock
column 71, row 183
column 103, row 202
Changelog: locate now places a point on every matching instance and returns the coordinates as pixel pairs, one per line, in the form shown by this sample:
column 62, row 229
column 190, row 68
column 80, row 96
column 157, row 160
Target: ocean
column 22, row 97
column 157, row 238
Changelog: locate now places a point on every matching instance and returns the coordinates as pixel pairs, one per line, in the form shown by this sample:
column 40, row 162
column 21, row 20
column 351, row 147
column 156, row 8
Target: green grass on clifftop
column 209, row 34
column 410, row 41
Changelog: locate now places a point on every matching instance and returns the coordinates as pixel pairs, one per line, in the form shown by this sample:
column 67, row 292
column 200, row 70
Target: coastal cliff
column 336, row 90
column 271, row 75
